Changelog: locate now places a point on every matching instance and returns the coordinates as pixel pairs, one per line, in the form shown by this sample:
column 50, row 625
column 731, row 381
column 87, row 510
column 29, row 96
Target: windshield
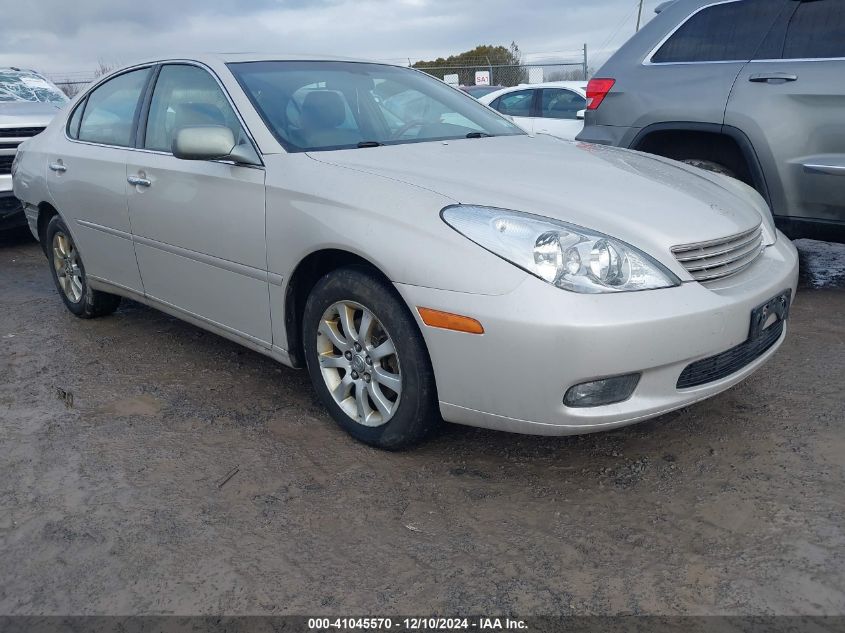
column 312, row 106
column 25, row 85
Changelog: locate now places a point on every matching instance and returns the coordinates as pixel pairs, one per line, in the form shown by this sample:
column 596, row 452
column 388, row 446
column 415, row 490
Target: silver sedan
column 418, row 253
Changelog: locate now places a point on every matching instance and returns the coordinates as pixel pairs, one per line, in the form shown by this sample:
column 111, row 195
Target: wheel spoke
column 347, row 320
column 383, row 350
column 390, row 380
column 329, row 329
column 365, row 327
column 76, row 287
column 328, row 361
column 363, row 405
column 379, row 399
column 341, row 392
column 57, row 259
column 62, row 242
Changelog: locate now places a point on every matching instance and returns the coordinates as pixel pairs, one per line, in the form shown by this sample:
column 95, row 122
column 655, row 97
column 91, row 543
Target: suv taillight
column 597, row 90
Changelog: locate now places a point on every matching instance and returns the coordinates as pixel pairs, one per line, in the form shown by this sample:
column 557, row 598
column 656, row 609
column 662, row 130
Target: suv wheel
column 367, row 360
column 709, row 165
column 69, row 275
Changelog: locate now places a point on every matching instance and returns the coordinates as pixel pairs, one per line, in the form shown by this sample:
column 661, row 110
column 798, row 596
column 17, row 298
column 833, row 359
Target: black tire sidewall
column 417, row 414
column 83, row 306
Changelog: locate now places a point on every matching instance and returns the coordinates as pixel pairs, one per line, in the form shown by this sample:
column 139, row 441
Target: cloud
column 64, row 37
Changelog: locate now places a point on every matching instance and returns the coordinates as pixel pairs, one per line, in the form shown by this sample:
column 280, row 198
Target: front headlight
column 566, row 256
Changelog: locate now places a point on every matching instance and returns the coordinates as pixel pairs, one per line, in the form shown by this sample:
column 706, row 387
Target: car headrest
column 192, row 114
column 323, row 109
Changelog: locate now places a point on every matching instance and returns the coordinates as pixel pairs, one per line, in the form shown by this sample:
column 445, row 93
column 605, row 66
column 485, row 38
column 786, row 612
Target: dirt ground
column 112, row 504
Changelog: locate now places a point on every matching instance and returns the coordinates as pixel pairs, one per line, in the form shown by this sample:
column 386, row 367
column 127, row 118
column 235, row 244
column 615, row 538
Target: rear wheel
column 367, row 360
column 69, row 275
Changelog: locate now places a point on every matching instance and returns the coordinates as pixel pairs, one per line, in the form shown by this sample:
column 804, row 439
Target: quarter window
column 187, row 96
column 110, row 110
column 73, row 123
column 561, row 104
column 731, row 31
column 516, row 103
column 816, row 31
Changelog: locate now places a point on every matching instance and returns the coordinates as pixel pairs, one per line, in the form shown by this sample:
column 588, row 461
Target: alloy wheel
column 66, row 263
column 359, row 363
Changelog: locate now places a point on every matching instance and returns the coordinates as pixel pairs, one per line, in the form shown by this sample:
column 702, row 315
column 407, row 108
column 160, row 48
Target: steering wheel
column 408, row 126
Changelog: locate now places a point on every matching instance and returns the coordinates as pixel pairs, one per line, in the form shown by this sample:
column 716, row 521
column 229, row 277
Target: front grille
column 717, row 259
column 19, row 132
column 723, row 365
column 6, row 164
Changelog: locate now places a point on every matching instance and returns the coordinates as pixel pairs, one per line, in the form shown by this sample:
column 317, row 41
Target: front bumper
column 540, row 340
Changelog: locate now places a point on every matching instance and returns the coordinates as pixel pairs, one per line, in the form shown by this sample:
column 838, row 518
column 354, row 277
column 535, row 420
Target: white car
column 555, row 107
column 417, row 252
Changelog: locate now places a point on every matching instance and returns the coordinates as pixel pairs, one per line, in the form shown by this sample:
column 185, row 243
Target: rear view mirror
column 580, row 114
column 211, row 142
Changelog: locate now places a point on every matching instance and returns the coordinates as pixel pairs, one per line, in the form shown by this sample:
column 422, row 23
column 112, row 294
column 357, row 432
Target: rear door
column 87, row 177
column 558, row 113
column 520, row 106
column 199, row 225
column 791, row 103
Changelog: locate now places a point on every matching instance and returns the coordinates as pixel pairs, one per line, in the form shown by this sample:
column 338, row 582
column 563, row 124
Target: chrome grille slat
column 717, row 259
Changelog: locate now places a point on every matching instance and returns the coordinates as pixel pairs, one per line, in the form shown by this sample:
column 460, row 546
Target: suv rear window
column 731, row 31
column 816, row 31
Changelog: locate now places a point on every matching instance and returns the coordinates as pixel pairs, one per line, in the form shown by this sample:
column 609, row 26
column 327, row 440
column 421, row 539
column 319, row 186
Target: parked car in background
column 416, row 251
column 555, row 108
column 749, row 88
column 479, row 91
column 28, row 102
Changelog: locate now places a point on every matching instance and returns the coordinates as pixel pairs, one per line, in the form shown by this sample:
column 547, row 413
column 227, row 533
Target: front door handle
column 828, row 170
column 58, row 167
column 137, row 180
column 773, row 78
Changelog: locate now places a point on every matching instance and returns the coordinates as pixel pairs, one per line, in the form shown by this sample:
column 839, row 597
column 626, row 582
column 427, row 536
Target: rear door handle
column 58, row 167
column 137, row 180
column 828, row 170
column 773, row 78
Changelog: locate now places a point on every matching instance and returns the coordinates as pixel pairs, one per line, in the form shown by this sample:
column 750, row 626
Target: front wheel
column 367, row 360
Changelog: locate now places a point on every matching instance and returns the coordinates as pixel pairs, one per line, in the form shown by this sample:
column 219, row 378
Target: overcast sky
column 72, row 36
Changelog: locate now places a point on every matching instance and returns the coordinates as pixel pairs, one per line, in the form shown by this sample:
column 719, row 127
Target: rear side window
column 110, row 110
column 561, row 104
column 731, row 31
column 516, row 103
column 816, row 30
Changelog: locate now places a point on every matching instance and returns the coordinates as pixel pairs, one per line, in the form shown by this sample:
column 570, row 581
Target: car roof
column 577, row 86
column 227, row 58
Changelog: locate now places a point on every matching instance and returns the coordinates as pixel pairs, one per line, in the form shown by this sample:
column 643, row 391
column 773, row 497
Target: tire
column 709, row 165
column 69, row 275
column 337, row 366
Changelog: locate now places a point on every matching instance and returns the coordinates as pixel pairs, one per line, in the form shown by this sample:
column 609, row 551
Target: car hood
column 650, row 202
column 27, row 114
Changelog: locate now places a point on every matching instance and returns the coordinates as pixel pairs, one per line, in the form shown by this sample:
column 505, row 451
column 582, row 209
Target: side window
column 561, row 104
column 186, row 96
column 516, row 103
column 73, row 122
column 816, row 30
column 730, row 31
column 110, row 110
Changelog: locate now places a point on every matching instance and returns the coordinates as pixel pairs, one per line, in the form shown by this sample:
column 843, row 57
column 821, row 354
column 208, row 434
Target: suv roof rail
column 663, row 5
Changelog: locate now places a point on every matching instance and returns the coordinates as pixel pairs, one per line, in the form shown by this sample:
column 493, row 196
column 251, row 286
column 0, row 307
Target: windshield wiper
column 478, row 135
column 369, row 144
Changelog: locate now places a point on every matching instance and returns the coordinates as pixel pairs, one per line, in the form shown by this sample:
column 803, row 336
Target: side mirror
column 211, row 142
column 580, row 114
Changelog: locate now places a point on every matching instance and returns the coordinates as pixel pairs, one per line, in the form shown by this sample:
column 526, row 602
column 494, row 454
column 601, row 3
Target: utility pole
column 640, row 15
column 585, row 62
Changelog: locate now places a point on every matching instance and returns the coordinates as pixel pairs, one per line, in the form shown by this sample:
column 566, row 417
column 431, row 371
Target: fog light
column 599, row 392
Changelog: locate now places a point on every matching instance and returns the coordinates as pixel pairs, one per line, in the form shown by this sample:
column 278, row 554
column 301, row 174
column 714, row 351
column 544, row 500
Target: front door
column 558, row 113
column 199, row 225
column 518, row 105
column 791, row 103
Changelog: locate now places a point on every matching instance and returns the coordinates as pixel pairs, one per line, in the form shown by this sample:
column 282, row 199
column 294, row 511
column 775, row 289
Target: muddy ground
column 112, row 504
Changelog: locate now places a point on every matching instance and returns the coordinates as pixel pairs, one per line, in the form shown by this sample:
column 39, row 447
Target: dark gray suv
column 750, row 88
